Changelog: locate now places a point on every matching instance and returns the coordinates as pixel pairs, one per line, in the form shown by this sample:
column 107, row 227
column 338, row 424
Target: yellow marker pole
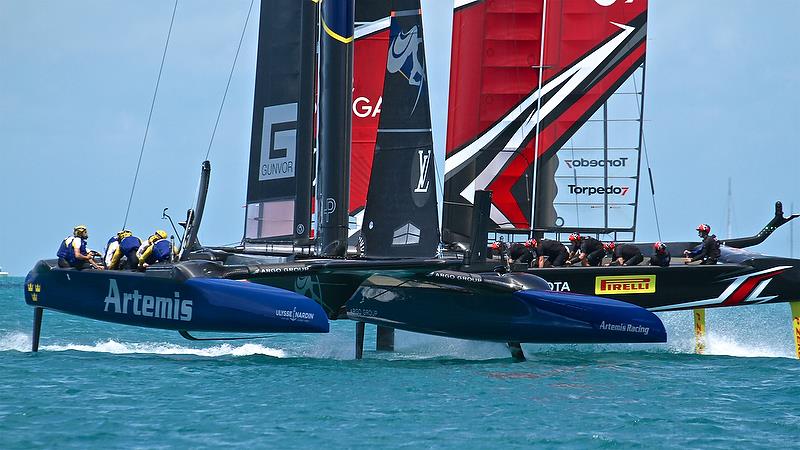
column 699, row 330
column 796, row 326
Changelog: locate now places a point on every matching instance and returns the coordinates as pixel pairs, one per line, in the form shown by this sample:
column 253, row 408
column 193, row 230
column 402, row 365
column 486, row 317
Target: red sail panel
column 494, row 83
column 551, row 136
column 369, row 58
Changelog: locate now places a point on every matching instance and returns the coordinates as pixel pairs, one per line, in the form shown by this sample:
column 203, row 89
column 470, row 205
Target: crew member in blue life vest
column 661, row 256
column 123, row 245
column 159, row 250
column 623, row 254
column 708, row 251
column 73, row 251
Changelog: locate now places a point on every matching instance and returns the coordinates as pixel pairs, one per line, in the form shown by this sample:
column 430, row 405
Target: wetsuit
column 659, row 259
column 592, row 248
column 630, row 254
column 520, row 253
column 709, row 250
column 555, row 252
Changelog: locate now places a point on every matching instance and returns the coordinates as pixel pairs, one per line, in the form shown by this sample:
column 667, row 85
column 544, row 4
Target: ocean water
column 97, row 385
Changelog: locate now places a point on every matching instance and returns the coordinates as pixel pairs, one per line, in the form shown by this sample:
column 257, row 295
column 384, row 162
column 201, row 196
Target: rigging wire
column 150, row 115
column 538, row 122
column 225, row 94
column 646, row 156
column 230, row 76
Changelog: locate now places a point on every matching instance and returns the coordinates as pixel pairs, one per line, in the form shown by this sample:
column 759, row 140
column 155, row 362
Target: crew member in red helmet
column 661, row 256
column 549, row 253
column 520, row 253
column 708, row 251
column 623, row 254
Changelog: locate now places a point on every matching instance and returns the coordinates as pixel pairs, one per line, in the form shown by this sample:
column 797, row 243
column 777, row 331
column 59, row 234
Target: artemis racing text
column 600, row 190
column 147, row 305
column 624, row 327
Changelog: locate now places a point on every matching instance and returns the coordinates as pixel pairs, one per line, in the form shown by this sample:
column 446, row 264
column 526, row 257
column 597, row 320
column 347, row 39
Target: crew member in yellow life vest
column 157, row 249
column 73, row 252
column 123, row 244
column 159, row 234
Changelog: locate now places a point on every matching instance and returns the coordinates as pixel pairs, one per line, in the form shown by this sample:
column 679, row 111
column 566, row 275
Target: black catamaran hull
column 759, row 279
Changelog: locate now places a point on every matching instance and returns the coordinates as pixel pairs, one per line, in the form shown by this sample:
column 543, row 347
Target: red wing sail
column 369, row 61
column 497, row 106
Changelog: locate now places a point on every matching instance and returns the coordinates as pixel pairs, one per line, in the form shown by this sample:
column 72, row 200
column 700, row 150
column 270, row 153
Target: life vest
column 130, row 244
column 162, row 251
column 66, row 249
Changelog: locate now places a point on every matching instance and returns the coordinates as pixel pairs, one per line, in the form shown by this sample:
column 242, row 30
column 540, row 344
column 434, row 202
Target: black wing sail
column 401, row 217
column 279, row 177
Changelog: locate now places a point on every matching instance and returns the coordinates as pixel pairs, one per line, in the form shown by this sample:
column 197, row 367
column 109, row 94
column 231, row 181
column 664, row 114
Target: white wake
column 21, row 342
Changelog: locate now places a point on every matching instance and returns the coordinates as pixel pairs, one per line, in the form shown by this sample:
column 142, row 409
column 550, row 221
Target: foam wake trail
column 748, row 331
column 723, row 345
column 21, row 342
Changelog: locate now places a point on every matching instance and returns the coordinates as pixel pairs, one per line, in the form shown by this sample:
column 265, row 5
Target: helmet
column 609, row 246
column 495, row 246
column 704, row 228
column 80, row 231
column 531, row 243
column 161, row 234
column 575, row 237
column 123, row 234
column 660, row 247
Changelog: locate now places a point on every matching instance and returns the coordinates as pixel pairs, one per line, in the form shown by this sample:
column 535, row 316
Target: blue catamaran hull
column 161, row 300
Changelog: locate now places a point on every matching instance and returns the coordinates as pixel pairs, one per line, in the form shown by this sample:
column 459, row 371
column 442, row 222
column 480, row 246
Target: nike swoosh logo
column 401, row 43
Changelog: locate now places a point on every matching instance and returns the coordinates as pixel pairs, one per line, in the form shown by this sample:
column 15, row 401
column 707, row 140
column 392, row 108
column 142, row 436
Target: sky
column 77, row 79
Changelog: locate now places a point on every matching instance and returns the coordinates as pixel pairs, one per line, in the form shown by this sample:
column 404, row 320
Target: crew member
column 158, row 251
column 708, row 251
column 589, row 251
column 159, row 234
column 123, row 245
column 111, row 247
column 574, row 245
column 661, row 256
column 520, row 253
column 73, row 251
column 550, row 253
column 623, row 254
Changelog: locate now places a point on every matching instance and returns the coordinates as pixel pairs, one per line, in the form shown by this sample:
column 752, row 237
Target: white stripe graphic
column 372, row 27
column 753, row 297
column 572, row 78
